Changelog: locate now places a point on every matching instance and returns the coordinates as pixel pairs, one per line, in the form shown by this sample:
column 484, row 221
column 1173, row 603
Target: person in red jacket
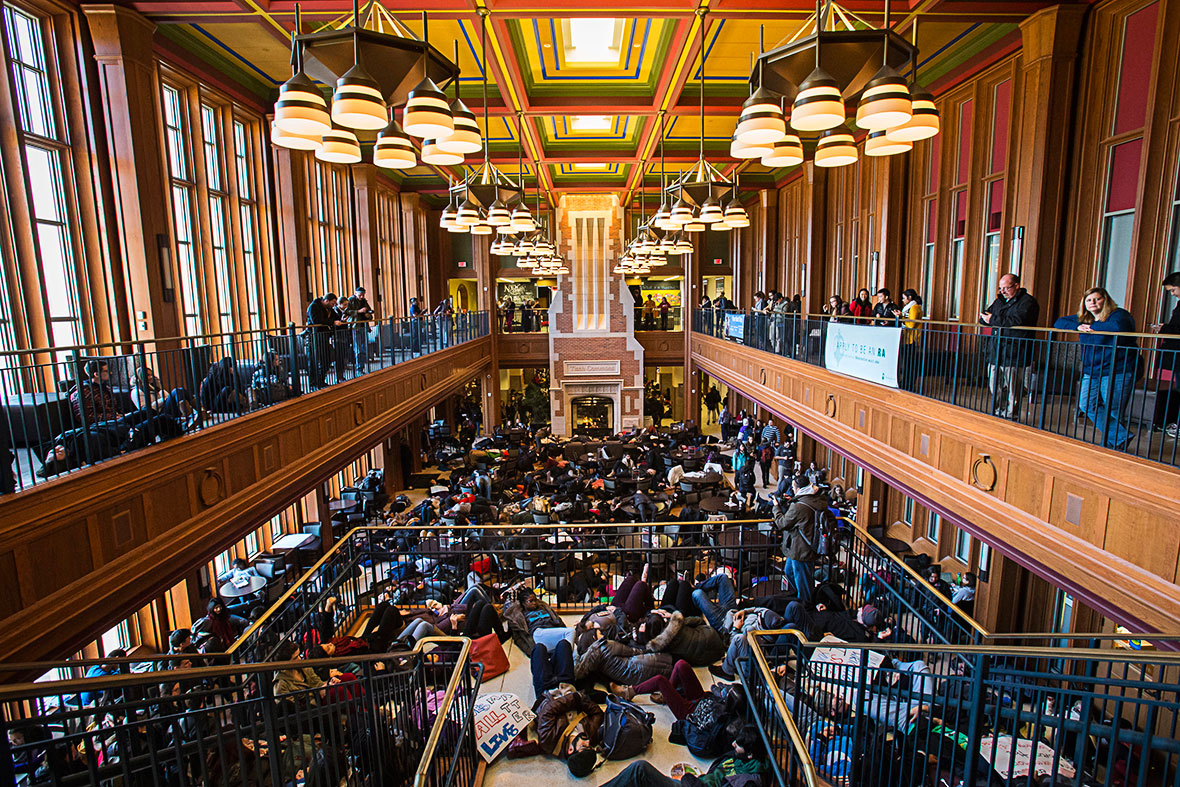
column 862, row 307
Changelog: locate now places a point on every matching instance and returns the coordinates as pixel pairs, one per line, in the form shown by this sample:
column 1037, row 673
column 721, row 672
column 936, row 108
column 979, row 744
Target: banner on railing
column 867, row 352
column 499, row 718
column 735, row 326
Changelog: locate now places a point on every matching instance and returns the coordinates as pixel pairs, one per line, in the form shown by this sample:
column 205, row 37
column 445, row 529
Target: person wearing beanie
column 862, row 625
column 568, row 727
column 748, row 757
column 800, row 539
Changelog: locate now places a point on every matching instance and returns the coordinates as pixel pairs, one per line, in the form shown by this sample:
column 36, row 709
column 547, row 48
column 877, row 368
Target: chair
column 309, row 552
column 276, row 575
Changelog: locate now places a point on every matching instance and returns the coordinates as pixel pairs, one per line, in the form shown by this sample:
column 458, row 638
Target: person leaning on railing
column 1167, row 395
column 1110, row 363
column 911, row 338
column 1014, row 307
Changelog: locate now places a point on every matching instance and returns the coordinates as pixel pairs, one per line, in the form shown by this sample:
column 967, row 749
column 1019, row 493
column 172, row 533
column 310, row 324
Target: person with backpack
column 744, row 767
column 766, row 458
column 569, row 727
column 802, row 525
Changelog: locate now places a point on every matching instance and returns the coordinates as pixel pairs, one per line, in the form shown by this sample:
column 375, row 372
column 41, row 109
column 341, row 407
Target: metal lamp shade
column 711, row 212
column 923, row 123
column 482, row 229
column 428, row 115
column 880, row 144
column 394, row 150
column 818, row 105
column 433, row 154
column 835, row 149
column 357, row 102
column 465, row 138
column 303, row 116
column 292, row 141
column 681, row 213
column 498, row 215
column 340, row 146
column 761, row 119
column 786, row 153
column 885, row 102
column 736, row 216
column 468, row 214
column 739, row 149
column 695, row 226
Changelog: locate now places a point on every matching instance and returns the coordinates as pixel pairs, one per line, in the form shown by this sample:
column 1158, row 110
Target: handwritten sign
column 498, row 719
column 1022, row 756
column 842, row 666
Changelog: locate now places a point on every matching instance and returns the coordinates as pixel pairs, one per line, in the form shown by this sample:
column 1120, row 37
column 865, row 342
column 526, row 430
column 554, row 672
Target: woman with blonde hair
column 911, row 339
column 1110, row 364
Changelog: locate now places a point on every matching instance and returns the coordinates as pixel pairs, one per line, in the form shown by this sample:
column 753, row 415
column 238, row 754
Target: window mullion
column 203, row 242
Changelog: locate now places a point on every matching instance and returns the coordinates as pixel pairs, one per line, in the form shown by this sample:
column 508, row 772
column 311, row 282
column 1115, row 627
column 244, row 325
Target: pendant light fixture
column 357, row 102
column 522, row 220
column 393, row 148
column 885, row 102
column 300, row 112
column 879, row 143
column 293, row 141
column 787, row 152
column 450, row 212
column 340, row 146
column 835, row 148
column 710, row 212
column 818, row 104
column 762, row 119
column 663, row 218
column 735, row 215
column 465, row 137
column 739, row 149
column 468, row 211
column 924, row 120
column 433, row 153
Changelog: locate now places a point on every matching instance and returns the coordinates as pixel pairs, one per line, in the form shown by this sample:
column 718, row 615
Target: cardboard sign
column 498, row 719
column 1023, row 755
column 840, row 667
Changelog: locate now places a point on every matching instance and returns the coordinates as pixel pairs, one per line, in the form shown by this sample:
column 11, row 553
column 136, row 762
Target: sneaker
column 717, row 671
column 1172, row 430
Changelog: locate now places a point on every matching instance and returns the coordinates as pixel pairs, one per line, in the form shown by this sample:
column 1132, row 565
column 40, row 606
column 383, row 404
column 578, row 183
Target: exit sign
column 717, row 261
column 461, row 264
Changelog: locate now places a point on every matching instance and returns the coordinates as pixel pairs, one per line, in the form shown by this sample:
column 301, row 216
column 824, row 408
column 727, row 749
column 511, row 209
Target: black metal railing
column 886, row 715
column 1042, row 378
column 382, row 719
column 69, row 407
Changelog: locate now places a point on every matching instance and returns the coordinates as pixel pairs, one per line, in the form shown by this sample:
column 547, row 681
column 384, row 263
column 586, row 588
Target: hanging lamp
column 924, row 120
column 879, row 143
column 835, row 148
column 293, row 141
column 393, row 148
column 340, row 146
column 818, row 104
column 357, row 102
column 762, row 119
column 301, row 111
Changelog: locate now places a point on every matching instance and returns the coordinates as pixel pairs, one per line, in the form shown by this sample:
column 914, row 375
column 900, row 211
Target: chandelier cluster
column 446, row 129
column 895, row 113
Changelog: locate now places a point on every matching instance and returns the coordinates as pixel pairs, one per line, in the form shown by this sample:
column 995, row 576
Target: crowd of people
column 526, row 317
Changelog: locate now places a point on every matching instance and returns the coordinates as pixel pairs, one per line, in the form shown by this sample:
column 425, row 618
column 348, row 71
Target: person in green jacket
column 748, row 759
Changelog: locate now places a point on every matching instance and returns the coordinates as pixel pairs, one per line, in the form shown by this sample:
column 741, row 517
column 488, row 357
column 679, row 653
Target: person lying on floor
column 474, row 620
column 748, row 758
column 730, row 622
column 568, row 727
column 616, row 662
column 530, row 620
column 680, row 692
column 631, row 603
column 866, row 624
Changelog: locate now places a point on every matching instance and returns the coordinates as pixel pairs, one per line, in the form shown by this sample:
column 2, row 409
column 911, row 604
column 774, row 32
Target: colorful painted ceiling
column 580, row 91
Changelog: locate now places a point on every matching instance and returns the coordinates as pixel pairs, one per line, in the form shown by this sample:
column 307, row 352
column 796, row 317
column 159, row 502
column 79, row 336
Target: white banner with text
column 867, row 352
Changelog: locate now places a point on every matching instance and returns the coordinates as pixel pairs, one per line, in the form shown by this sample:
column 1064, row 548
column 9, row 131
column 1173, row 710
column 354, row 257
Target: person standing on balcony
column 1014, row 351
column 1167, row 396
column 509, row 314
column 886, row 311
column 862, row 307
column 649, row 313
column 1110, row 364
column 911, row 339
column 320, row 322
column 664, row 308
column 360, row 314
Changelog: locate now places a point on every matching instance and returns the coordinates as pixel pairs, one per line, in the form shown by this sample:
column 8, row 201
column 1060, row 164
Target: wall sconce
column 164, row 250
column 1017, row 250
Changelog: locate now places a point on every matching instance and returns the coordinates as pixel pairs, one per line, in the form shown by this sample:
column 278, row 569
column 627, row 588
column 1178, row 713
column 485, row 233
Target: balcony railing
column 1042, row 378
column 659, row 320
column 52, row 425
column 897, row 715
column 394, row 719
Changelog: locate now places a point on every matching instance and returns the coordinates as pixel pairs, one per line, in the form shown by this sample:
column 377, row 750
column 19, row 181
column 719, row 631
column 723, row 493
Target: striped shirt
column 770, row 432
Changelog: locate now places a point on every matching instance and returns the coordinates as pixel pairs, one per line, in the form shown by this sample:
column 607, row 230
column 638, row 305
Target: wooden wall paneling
column 87, row 559
column 122, row 41
column 1043, row 542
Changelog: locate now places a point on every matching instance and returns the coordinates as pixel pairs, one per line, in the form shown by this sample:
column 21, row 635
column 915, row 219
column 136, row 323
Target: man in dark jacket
column 568, row 727
column 1013, row 351
column 797, row 525
column 321, row 319
column 688, row 638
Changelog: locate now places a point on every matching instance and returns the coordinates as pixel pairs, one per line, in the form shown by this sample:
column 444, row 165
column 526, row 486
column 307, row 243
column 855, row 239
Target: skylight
column 594, row 40
column 588, row 165
column 591, row 122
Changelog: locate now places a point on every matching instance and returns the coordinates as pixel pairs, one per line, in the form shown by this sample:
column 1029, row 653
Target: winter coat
column 691, row 639
column 560, row 709
column 620, row 663
column 1015, row 345
column 514, row 617
column 797, row 524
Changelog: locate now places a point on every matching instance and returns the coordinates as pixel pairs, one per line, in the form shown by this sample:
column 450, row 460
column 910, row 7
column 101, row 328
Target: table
column 230, row 590
column 292, row 541
column 714, row 505
column 343, row 505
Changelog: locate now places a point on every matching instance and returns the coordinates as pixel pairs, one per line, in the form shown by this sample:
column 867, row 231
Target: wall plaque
column 591, row 367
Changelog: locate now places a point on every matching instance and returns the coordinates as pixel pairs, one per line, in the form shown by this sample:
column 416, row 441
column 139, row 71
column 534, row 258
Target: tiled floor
column 544, row 770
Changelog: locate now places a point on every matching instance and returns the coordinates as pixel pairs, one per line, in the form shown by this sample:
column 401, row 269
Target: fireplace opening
column 594, row 416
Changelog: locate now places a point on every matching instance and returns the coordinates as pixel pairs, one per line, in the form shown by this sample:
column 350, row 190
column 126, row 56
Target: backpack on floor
column 706, row 728
column 626, row 729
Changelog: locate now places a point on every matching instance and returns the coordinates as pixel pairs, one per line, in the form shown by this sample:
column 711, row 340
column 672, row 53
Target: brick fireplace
column 593, row 352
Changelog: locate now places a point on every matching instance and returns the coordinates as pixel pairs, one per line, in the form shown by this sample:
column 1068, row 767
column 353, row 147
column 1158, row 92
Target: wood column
column 766, row 257
column 291, row 219
column 692, row 296
column 327, row 534
column 1050, row 42
column 893, row 230
column 130, row 92
column 815, row 204
column 364, row 177
column 486, row 266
